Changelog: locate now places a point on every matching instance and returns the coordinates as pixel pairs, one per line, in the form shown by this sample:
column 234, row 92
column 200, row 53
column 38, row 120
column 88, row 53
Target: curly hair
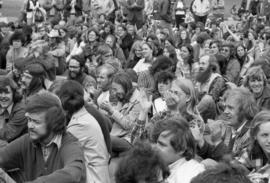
column 222, row 173
column 141, row 163
column 124, row 80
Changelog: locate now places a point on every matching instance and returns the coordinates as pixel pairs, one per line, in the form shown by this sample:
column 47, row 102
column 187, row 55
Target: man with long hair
column 210, row 85
column 47, row 153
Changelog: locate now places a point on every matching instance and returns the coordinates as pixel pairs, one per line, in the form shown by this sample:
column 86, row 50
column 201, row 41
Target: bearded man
column 210, row 85
column 76, row 72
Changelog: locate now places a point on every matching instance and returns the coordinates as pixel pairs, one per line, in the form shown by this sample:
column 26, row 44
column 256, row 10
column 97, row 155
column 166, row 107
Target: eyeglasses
column 225, row 50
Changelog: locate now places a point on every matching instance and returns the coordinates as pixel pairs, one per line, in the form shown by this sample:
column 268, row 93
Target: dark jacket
column 136, row 11
column 126, row 44
column 78, row 8
column 65, row 164
column 162, row 10
column 16, row 124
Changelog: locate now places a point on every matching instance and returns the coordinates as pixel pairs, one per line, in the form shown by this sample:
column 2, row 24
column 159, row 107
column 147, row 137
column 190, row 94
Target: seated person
column 176, row 146
column 256, row 155
column 163, row 84
column 48, row 153
column 256, row 82
column 13, row 122
column 123, row 113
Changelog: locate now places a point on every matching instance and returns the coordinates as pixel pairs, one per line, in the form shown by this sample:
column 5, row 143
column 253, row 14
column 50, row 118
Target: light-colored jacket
column 125, row 117
column 201, row 8
column 87, row 130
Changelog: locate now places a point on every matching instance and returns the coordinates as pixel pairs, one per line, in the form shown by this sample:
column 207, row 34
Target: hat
column 35, row 69
column 21, row 62
column 3, row 24
column 54, row 33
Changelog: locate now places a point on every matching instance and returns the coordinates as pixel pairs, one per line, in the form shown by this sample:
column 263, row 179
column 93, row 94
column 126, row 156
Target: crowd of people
column 135, row 91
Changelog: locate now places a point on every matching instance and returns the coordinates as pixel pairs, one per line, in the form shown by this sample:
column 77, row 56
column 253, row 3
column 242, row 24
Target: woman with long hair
column 244, row 59
column 256, row 155
column 185, row 66
column 135, row 54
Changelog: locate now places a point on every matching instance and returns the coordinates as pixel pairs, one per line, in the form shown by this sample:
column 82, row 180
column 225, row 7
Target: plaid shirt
column 142, row 131
column 252, row 163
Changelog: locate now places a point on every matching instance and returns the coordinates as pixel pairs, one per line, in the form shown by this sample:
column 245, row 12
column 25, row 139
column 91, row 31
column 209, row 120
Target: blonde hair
column 188, row 88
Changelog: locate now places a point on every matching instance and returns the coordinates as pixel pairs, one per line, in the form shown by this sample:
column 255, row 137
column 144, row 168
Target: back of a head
column 142, row 163
column 222, row 173
column 71, row 94
column 160, row 64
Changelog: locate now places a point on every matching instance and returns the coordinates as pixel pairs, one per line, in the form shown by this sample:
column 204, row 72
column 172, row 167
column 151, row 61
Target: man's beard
column 74, row 75
column 203, row 76
column 41, row 139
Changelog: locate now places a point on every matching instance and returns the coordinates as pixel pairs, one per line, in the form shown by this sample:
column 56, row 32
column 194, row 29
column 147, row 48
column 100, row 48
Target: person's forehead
column 37, row 115
column 165, row 136
column 232, row 101
column 103, row 72
column 74, row 62
column 204, row 59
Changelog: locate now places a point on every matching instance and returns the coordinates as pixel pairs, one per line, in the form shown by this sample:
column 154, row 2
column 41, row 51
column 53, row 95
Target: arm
column 9, row 60
column 126, row 121
column 16, row 124
column 235, row 37
column 207, row 151
column 232, row 71
column 11, row 155
column 59, row 51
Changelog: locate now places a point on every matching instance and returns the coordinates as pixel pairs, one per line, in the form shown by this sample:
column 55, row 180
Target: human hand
column 171, row 98
column 197, row 134
column 145, row 100
column 106, row 106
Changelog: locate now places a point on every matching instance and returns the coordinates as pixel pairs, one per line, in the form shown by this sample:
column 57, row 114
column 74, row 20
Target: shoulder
column 196, row 166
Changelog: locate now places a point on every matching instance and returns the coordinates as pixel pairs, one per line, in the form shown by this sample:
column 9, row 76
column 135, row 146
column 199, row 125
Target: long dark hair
column 124, row 80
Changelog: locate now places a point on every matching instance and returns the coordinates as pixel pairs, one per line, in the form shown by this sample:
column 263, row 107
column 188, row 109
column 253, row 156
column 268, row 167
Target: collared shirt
column 64, row 165
column 5, row 115
column 47, row 149
column 183, row 171
column 237, row 132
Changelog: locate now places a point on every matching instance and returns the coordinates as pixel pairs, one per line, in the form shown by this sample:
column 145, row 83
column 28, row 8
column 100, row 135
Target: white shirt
column 87, row 130
column 183, row 171
column 103, row 97
column 201, row 8
column 159, row 105
column 141, row 66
